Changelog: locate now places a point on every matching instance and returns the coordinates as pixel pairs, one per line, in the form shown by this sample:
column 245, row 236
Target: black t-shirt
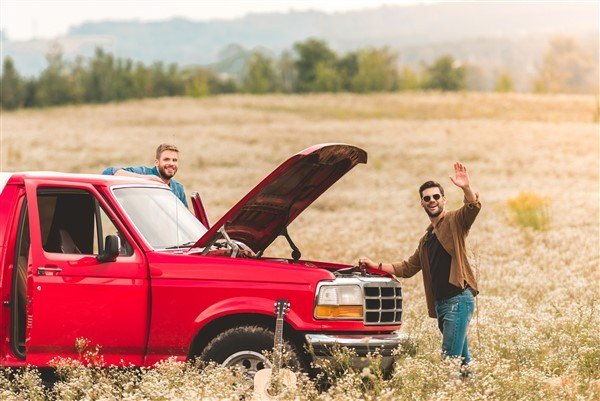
column 439, row 264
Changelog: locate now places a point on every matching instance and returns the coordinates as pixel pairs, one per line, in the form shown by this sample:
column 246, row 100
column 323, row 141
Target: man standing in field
column 449, row 281
column 165, row 167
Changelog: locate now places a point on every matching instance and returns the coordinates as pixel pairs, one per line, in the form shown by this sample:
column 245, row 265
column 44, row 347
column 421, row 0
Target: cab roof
column 94, row 179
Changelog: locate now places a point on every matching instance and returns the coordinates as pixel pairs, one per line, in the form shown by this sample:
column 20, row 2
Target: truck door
column 199, row 211
column 70, row 293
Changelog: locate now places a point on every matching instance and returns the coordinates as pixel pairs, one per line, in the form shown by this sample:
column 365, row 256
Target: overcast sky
column 28, row 19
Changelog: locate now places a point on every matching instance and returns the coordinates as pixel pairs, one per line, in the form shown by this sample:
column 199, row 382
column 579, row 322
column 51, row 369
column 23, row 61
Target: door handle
column 43, row 271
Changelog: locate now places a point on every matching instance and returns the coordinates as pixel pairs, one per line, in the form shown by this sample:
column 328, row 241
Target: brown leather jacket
column 452, row 230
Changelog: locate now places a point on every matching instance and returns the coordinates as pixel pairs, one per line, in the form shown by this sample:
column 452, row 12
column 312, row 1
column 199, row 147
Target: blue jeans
column 454, row 315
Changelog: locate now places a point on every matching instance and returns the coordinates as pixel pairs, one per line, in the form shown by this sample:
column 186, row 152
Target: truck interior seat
column 67, row 245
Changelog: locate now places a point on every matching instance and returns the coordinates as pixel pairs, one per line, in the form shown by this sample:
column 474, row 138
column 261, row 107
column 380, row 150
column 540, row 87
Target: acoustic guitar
column 268, row 383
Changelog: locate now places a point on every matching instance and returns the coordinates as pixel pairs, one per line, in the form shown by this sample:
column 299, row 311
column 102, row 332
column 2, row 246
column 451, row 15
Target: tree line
column 312, row 66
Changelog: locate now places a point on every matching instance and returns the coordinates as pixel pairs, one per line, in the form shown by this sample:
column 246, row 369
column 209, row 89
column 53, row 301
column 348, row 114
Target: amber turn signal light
column 339, row 311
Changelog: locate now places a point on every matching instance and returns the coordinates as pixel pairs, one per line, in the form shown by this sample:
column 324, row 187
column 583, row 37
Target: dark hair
column 430, row 184
column 165, row 146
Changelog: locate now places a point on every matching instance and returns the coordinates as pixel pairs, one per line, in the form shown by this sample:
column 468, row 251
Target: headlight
column 339, row 302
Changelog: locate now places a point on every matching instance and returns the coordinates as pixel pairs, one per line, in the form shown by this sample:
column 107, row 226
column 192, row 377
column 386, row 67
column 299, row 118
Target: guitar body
column 263, row 380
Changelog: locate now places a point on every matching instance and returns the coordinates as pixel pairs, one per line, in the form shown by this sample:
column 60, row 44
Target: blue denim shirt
column 176, row 187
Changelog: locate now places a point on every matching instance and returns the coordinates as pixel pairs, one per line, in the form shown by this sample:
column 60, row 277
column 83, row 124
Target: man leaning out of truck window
column 165, row 167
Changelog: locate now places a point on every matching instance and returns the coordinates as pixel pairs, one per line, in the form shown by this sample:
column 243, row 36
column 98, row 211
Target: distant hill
column 497, row 36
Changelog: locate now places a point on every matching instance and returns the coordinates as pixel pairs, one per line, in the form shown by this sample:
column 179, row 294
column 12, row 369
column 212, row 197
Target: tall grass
column 537, row 331
column 530, row 210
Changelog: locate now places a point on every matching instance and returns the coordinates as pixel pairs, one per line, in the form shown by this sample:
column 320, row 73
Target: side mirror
column 112, row 248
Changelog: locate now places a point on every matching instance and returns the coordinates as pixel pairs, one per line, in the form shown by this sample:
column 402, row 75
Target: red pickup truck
column 122, row 262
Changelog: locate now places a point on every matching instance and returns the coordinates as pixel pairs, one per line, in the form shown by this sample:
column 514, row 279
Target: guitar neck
column 278, row 346
column 280, row 309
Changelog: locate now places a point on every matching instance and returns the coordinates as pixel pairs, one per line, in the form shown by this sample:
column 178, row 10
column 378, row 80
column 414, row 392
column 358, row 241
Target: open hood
column 272, row 205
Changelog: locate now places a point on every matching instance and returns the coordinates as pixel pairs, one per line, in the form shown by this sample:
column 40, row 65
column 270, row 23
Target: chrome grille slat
column 383, row 303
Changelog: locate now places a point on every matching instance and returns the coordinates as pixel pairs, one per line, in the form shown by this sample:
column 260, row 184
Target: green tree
column 142, row 81
column 566, row 68
column 222, row 83
column 347, row 67
column 287, row 72
column 446, row 74
column 124, row 80
column 327, row 78
column 166, row 82
column 175, row 81
column 54, row 86
column 79, row 80
column 197, row 82
column 30, row 93
column 12, row 86
column 408, row 79
column 101, row 78
column 504, row 84
column 260, row 75
column 314, row 56
column 376, row 71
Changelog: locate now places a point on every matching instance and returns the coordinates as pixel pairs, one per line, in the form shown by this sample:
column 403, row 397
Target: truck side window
column 104, row 227
column 73, row 222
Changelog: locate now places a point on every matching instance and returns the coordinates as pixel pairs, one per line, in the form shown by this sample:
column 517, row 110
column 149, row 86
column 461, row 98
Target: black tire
column 245, row 346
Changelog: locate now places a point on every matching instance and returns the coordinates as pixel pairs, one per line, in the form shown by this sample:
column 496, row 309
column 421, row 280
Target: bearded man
column 449, row 282
column 165, row 167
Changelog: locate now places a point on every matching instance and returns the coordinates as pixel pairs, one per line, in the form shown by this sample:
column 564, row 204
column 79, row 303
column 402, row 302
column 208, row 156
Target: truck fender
column 242, row 306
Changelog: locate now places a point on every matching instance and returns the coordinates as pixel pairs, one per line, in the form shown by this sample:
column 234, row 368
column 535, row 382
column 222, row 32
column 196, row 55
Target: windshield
column 160, row 216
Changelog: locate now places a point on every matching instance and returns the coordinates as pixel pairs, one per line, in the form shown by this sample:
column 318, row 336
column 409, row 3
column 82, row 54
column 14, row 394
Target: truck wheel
column 244, row 346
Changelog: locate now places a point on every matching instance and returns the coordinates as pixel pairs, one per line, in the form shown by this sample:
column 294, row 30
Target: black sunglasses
column 427, row 198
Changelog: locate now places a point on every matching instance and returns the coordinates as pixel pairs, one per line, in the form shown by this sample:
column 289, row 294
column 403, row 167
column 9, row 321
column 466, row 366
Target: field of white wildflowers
column 535, row 334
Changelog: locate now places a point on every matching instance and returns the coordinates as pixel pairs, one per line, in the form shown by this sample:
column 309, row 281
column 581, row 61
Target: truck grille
column 383, row 303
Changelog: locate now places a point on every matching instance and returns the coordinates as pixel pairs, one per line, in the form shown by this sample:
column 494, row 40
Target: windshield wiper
column 185, row 245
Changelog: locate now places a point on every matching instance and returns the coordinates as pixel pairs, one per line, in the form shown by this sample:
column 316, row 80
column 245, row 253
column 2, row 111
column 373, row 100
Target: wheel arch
column 223, row 323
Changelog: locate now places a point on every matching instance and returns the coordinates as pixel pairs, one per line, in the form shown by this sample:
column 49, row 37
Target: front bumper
column 323, row 345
